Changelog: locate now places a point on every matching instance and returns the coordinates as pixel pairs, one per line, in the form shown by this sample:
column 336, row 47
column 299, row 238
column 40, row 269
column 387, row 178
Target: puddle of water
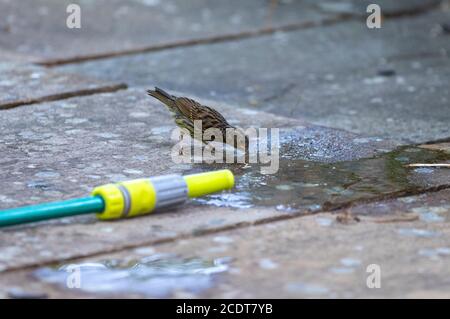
column 302, row 182
column 157, row 276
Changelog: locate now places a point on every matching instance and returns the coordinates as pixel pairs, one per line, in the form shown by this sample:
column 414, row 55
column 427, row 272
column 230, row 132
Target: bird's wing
column 217, row 117
column 187, row 107
column 195, row 111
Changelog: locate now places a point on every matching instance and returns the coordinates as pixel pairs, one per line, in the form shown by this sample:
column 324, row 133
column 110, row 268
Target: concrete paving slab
column 23, row 84
column 136, row 25
column 39, row 27
column 409, row 108
column 334, row 76
column 287, row 259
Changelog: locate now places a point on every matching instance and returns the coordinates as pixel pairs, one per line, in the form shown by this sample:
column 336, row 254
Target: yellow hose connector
column 113, row 199
column 143, row 196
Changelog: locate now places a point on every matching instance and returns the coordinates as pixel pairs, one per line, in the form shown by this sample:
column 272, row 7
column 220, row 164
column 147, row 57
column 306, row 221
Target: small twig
column 429, row 165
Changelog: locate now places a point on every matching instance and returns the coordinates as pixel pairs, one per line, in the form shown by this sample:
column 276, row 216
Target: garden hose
column 126, row 199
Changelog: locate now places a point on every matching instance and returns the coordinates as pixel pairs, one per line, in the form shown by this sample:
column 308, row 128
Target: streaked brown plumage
column 185, row 111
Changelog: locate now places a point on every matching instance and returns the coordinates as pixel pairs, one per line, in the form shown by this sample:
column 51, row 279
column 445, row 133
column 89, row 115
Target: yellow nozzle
column 210, row 182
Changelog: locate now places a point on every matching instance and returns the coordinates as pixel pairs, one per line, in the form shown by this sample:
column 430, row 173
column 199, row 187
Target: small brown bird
column 185, row 111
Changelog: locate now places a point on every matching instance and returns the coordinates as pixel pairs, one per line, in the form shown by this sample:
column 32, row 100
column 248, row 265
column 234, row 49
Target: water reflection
column 304, row 183
column 156, row 276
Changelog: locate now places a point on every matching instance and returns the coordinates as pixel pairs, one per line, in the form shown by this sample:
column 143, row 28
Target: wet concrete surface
column 293, row 258
column 303, row 184
column 341, row 197
column 316, row 77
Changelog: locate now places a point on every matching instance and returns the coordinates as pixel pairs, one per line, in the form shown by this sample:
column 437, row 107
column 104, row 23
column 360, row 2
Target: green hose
column 27, row 214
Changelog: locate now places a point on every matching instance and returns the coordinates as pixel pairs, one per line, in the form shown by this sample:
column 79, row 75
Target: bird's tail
column 162, row 96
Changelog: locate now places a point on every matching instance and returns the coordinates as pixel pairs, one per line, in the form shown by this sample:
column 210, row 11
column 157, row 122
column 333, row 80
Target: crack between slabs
column 342, row 17
column 64, row 95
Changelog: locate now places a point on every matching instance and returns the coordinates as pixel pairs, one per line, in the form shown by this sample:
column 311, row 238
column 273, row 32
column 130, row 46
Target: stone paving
column 286, row 68
column 171, row 22
column 349, row 101
column 23, row 84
